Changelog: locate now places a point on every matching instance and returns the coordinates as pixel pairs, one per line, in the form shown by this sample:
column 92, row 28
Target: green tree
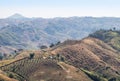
column 32, row 55
column 58, row 55
column 58, row 43
column 52, row 45
column 43, row 47
column 114, row 28
column 62, row 58
column 11, row 75
column 113, row 79
column 1, row 56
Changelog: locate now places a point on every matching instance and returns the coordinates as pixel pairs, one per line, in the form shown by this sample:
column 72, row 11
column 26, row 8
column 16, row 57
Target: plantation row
column 24, row 67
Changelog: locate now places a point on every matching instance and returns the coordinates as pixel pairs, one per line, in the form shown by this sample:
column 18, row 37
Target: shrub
column 32, row 55
column 43, row 47
column 11, row 75
column 94, row 76
column 58, row 55
column 58, row 43
column 2, row 80
column 113, row 79
column 62, row 58
column 52, row 45
column 1, row 57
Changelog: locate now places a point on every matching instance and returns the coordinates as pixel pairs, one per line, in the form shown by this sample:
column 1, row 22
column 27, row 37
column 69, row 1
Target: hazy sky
column 60, row 8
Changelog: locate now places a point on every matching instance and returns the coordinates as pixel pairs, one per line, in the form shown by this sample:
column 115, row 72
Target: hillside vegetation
column 111, row 37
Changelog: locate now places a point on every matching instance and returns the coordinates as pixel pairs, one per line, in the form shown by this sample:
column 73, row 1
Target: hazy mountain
column 30, row 33
column 16, row 16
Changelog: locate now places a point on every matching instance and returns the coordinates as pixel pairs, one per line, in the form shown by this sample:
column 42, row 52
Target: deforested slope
column 91, row 54
column 44, row 69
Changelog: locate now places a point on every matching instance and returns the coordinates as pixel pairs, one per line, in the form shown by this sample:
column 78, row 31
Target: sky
column 60, row 8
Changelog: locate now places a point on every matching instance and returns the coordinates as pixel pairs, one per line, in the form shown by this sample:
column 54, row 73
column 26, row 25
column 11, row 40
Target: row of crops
column 24, row 67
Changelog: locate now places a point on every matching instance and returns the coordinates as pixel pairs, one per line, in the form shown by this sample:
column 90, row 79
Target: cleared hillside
column 94, row 58
column 91, row 54
column 45, row 70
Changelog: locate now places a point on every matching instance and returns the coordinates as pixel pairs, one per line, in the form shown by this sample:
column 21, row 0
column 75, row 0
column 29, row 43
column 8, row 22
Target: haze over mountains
column 20, row 32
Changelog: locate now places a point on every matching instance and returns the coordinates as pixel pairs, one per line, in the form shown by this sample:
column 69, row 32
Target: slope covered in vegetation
column 111, row 37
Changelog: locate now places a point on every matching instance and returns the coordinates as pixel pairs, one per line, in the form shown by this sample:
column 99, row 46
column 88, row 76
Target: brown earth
column 91, row 54
column 51, row 71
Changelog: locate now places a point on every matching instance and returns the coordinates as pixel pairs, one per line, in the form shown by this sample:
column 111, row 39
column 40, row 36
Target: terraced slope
column 45, row 70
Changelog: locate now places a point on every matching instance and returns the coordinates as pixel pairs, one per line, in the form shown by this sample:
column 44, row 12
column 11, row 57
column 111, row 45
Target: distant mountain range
column 19, row 32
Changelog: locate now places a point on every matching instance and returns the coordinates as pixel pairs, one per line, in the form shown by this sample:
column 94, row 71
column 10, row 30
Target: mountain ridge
column 31, row 33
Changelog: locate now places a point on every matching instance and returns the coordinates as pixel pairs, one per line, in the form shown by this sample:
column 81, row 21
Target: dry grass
column 27, row 52
column 89, row 53
column 51, row 71
column 93, row 55
column 4, row 62
column 74, row 72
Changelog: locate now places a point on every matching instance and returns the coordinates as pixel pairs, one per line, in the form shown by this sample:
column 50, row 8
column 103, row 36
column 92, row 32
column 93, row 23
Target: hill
column 31, row 33
column 73, row 60
column 44, row 70
column 111, row 37
column 91, row 54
